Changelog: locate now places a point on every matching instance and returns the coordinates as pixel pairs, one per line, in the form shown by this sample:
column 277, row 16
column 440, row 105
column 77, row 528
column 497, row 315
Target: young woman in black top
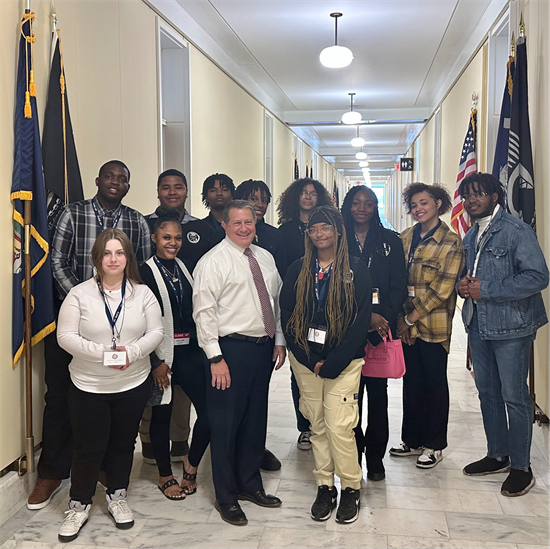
column 178, row 357
column 382, row 252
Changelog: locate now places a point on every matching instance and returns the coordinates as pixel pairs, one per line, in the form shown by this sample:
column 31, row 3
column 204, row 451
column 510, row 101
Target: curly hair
column 436, row 191
column 340, row 302
column 210, row 181
column 288, row 206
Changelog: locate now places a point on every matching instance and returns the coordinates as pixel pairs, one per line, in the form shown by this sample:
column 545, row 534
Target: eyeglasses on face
column 479, row 194
column 312, row 194
column 325, row 229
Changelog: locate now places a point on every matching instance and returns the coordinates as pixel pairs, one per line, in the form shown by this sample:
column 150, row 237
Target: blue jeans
column 501, row 368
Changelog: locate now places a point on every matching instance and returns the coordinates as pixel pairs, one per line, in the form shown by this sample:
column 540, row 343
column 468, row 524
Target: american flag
column 468, row 165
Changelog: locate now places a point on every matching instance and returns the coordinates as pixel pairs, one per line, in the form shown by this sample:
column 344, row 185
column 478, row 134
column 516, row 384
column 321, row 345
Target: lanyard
column 113, row 318
column 320, row 292
column 361, row 248
column 480, row 240
column 415, row 245
column 176, row 277
column 100, row 219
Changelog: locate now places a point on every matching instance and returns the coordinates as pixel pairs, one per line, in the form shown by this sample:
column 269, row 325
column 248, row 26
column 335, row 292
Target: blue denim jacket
column 513, row 273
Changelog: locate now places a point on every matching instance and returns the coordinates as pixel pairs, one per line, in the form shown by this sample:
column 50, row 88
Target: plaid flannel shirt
column 437, row 263
column 75, row 234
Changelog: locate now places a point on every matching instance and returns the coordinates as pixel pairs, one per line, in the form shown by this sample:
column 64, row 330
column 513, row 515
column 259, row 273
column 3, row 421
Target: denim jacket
column 513, row 272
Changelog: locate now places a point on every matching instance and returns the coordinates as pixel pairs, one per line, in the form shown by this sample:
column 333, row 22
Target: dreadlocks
column 341, row 294
column 288, row 206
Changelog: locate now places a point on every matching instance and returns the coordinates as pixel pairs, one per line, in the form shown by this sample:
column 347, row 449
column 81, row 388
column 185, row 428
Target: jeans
column 501, row 368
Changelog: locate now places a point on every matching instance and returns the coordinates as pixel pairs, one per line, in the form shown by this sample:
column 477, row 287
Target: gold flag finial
column 521, row 26
column 513, row 46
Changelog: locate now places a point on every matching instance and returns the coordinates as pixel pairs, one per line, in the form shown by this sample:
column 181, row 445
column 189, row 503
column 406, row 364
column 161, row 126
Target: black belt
column 257, row 340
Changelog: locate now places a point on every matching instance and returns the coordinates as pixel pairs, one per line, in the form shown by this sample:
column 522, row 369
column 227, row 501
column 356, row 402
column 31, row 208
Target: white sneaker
column 116, row 503
column 76, row 518
column 429, row 458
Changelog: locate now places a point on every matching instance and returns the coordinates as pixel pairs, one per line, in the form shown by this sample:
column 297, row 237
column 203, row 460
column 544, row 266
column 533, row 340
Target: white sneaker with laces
column 304, row 442
column 118, row 507
column 76, row 518
column 429, row 458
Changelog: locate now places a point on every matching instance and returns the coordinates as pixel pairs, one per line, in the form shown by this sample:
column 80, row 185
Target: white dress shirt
column 83, row 330
column 225, row 300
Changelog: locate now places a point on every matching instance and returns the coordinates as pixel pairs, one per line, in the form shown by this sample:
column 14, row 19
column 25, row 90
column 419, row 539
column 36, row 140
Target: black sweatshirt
column 336, row 356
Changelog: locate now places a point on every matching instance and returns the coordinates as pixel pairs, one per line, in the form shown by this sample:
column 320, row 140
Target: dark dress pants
column 425, row 396
column 57, row 435
column 238, row 418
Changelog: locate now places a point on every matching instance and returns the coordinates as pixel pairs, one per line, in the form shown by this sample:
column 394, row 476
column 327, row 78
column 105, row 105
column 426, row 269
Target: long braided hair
column 340, row 303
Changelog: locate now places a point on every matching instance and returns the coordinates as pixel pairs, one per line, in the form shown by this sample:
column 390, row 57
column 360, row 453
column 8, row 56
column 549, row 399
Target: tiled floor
column 413, row 508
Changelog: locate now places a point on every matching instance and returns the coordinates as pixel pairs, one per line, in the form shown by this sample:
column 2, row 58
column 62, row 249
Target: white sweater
column 83, row 330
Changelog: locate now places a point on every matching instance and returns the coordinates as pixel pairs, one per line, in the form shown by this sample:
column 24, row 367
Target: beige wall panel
column 283, row 160
column 537, row 23
column 426, row 160
column 227, row 128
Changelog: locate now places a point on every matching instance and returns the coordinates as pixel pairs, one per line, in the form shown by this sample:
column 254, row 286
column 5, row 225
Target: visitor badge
column 181, row 339
column 375, row 296
column 411, row 291
column 114, row 358
column 316, row 335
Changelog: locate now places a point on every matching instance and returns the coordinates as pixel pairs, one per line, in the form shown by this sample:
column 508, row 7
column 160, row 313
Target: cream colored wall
column 426, row 161
column 283, row 159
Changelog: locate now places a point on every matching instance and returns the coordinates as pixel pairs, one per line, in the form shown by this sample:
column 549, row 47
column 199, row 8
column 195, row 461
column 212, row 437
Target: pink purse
column 385, row 360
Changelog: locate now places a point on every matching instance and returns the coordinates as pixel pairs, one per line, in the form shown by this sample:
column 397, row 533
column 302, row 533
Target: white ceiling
column 407, row 54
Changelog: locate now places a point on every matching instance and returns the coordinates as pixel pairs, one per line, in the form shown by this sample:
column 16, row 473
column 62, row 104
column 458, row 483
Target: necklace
column 115, row 287
column 173, row 275
column 326, row 268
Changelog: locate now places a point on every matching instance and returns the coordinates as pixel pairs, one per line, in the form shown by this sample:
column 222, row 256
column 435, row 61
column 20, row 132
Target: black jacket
column 294, row 238
column 336, row 356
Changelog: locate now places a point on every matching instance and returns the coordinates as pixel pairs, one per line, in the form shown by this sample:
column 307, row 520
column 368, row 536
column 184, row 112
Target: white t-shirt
column 84, row 331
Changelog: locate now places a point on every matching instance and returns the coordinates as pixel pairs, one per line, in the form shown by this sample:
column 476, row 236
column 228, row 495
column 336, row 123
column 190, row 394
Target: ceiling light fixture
column 336, row 57
column 351, row 117
column 361, row 155
column 363, row 164
column 357, row 141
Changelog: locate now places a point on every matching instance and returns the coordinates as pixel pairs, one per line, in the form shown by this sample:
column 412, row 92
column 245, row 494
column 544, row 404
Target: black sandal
column 192, row 477
column 167, row 485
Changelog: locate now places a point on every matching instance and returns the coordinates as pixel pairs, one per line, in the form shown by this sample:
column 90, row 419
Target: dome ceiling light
column 336, row 57
column 351, row 117
column 361, row 155
column 357, row 141
column 363, row 164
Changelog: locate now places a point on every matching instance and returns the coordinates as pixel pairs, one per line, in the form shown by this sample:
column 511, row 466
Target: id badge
column 411, row 291
column 316, row 335
column 375, row 296
column 181, row 339
column 114, row 358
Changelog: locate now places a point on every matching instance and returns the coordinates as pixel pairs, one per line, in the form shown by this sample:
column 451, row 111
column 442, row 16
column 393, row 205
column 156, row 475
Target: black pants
column 238, row 418
column 105, row 428
column 188, row 373
column 57, row 436
column 425, row 396
column 374, row 440
column 302, row 424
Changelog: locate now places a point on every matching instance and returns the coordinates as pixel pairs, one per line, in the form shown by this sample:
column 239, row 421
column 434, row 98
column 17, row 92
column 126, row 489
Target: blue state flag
column 28, row 185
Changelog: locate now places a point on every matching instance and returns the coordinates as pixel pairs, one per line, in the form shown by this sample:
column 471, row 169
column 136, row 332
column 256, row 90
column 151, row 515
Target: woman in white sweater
column 109, row 324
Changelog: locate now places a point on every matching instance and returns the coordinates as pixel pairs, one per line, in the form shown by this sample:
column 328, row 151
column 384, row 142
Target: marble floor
column 412, row 508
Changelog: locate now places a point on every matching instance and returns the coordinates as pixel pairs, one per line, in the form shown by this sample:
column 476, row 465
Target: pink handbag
column 385, row 360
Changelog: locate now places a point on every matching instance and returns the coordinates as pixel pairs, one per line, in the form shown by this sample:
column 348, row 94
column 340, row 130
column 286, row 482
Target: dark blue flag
column 521, row 184
column 28, row 185
column 500, row 163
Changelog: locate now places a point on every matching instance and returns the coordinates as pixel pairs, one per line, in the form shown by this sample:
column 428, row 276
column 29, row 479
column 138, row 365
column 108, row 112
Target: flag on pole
column 468, row 165
column 520, row 184
column 311, row 169
column 61, row 170
column 500, row 163
column 28, row 185
column 335, row 194
column 307, row 169
column 296, row 169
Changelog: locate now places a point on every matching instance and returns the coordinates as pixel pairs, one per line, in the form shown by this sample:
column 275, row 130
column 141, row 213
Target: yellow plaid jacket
column 435, row 268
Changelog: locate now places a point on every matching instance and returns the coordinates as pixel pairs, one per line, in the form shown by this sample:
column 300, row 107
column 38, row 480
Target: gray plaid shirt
column 75, row 234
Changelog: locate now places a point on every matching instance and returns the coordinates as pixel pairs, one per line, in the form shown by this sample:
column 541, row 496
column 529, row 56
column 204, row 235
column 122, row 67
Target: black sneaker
column 519, row 482
column 486, row 466
column 348, row 510
column 324, row 503
column 405, row 450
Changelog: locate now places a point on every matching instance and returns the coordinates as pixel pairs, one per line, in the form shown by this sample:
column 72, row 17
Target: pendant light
column 363, row 164
column 357, row 141
column 336, row 57
column 351, row 117
column 361, row 155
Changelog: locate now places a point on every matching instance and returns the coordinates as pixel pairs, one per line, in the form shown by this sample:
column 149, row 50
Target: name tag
column 411, row 291
column 375, row 296
column 181, row 339
column 316, row 335
column 114, row 358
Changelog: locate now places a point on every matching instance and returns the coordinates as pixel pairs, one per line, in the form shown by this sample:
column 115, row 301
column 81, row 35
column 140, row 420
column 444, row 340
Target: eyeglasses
column 312, row 194
column 480, row 194
column 325, row 229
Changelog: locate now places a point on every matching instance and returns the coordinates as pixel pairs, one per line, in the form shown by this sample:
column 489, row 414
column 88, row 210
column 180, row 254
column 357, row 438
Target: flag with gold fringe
column 296, row 169
column 28, row 186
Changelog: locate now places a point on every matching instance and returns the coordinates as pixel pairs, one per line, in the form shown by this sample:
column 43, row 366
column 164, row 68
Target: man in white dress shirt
column 236, row 309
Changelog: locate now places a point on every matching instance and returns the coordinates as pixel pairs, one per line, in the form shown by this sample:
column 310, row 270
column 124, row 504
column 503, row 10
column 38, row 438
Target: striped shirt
column 75, row 234
column 436, row 265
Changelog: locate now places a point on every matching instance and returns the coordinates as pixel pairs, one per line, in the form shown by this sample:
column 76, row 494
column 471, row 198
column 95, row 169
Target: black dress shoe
column 262, row 499
column 231, row 513
column 376, row 477
column 270, row 461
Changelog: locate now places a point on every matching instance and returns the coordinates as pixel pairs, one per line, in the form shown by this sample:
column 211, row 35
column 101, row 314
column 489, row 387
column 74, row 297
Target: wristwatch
column 216, row 359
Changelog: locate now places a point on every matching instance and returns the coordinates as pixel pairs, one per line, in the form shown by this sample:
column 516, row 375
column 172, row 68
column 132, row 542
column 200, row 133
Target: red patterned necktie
column 265, row 304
